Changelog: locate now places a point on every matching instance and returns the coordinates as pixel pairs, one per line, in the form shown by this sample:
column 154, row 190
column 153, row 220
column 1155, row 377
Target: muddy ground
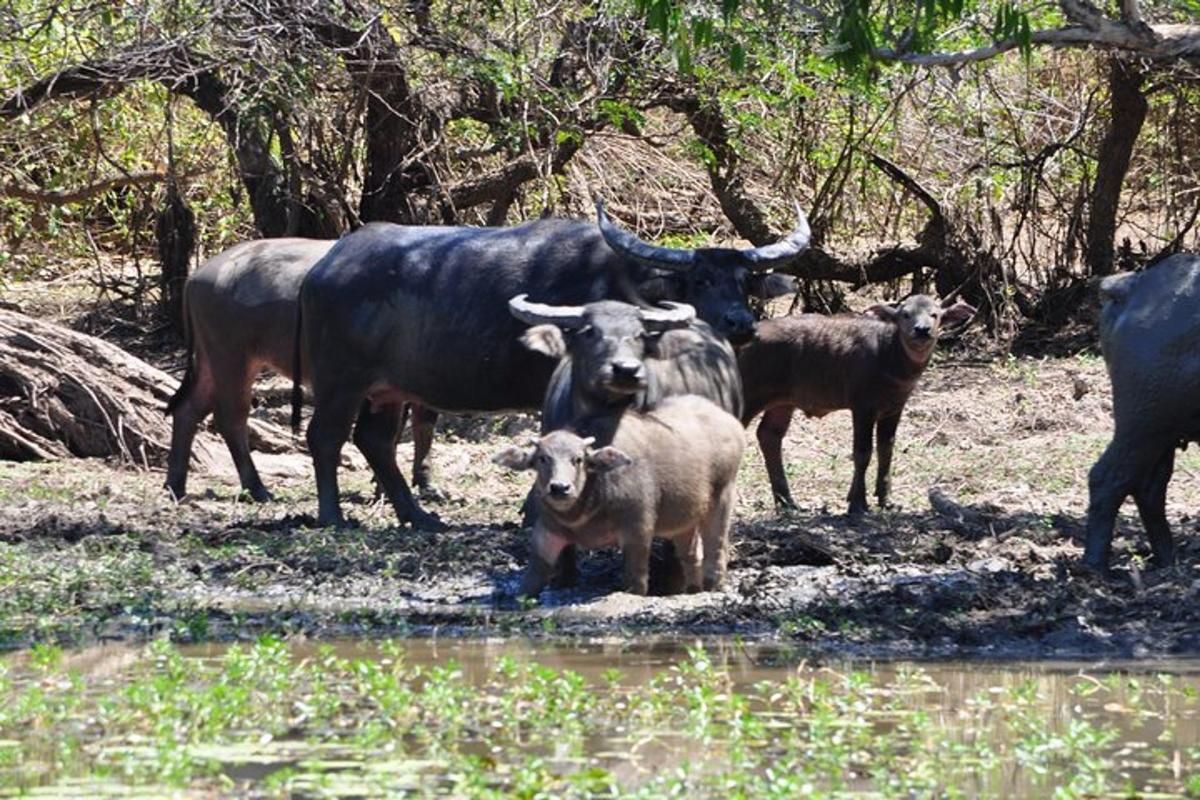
column 977, row 558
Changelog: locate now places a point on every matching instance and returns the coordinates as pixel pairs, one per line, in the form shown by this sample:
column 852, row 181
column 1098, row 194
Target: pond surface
column 470, row 718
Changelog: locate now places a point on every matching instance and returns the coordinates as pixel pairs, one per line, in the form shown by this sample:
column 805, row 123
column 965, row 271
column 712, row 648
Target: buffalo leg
column 566, row 572
column 333, row 417
column 864, row 421
column 667, row 573
column 886, row 439
column 401, row 419
column 635, row 548
column 714, row 539
column 185, row 420
column 547, row 547
column 1151, row 498
column 771, row 429
column 423, row 422
column 375, row 435
column 687, row 553
column 1127, row 464
column 230, row 415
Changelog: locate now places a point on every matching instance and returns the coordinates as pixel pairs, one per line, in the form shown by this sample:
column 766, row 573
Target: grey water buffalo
column 239, row 310
column 614, row 355
column 869, row 364
column 1150, row 336
column 670, row 473
column 397, row 314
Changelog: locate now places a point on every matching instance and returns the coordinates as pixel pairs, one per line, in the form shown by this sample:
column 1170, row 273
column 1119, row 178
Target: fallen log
column 64, row 394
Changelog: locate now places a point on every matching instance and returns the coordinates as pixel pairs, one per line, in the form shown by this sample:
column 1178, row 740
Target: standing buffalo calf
column 1150, row 335
column 669, row 473
column 868, row 364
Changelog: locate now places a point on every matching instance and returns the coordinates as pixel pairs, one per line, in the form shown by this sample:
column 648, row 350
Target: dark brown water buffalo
column 394, row 314
column 1150, row 335
column 670, row 473
column 869, row 364
column 240, row 316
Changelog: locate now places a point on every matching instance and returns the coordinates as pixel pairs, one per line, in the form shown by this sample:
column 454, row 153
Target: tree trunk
column 175, row 230
column 1127, row 112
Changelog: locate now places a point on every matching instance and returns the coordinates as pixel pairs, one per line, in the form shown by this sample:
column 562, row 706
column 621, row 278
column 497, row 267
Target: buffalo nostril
column 559, row 489
column 626, row 369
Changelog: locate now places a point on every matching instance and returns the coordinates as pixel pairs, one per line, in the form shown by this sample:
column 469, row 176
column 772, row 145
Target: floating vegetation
column 271, row 719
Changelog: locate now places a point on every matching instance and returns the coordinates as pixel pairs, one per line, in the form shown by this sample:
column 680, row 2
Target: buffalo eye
column 577, row 460
column 590, row 332
column 543, row 459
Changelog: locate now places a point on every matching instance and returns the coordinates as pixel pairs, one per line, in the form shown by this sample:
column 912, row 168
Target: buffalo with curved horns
column 398, row 314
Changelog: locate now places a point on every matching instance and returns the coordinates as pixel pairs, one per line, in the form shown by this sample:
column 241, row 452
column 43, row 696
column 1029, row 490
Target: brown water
column 1157, row 728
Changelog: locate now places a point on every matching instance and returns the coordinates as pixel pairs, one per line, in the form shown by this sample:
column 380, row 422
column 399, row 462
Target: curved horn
column 630, row 246
column 666, row 316
column 542, row 314
column 783, row 251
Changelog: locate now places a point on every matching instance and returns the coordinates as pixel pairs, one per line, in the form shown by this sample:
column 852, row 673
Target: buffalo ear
column 772, row 285
column 882, row 311
column 545, row 339
column 958, row 314
column 607, row 459
column 515, row 458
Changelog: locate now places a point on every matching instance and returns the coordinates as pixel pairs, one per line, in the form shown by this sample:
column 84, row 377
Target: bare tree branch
column 62, row 197
column 1089, row 28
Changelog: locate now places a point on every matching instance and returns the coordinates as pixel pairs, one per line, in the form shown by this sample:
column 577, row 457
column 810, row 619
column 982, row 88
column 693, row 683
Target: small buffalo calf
column 868, row 364
column 668, row 473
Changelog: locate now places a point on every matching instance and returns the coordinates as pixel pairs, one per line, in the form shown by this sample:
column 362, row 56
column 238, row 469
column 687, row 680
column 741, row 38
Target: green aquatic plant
column 271, row 719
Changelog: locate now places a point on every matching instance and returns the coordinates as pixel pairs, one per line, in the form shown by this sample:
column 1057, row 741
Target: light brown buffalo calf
column 669, row 473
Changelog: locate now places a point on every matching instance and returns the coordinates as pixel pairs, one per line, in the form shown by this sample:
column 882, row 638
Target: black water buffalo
column 1150, row 336
column 394, row 314
column 614, row 355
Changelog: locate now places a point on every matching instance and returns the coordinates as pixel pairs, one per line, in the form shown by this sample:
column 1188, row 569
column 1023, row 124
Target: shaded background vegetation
column 1012, row 150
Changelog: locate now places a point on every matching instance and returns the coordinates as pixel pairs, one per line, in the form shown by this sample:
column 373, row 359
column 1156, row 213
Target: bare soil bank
column 978, row 557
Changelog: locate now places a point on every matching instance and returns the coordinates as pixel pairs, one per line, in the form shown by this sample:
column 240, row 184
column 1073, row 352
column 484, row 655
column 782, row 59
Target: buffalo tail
column 297, row 378
column 189, row 372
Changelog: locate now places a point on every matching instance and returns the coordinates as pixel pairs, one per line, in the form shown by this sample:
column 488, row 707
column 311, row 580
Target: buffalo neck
column 901, row 366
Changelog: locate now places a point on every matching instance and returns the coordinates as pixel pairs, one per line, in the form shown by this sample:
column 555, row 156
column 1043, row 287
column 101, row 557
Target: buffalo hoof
column 259, row 495
column 1163, row 559
column 424, row 521
column 331, row 521
column 1093, row 568
column 856, row 511
column 784, row 502
column 433, row 494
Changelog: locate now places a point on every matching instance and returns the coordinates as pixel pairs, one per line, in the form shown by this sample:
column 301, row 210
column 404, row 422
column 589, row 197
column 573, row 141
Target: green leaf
column 737, row 57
